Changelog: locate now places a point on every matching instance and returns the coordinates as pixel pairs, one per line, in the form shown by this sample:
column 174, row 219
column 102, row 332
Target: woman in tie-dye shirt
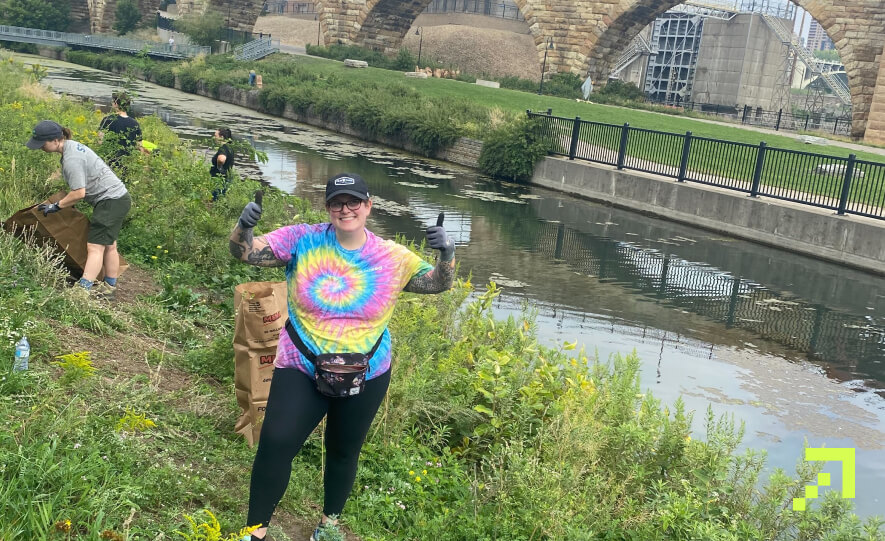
column 343, row 283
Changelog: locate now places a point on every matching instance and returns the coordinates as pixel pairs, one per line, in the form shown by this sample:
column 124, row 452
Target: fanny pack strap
column 309, row 355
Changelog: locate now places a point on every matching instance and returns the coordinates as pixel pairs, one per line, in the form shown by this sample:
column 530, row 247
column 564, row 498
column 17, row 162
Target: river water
column 792, row 346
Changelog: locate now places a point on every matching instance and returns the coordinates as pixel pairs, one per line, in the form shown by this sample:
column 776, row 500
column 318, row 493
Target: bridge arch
column 857, row 27
column 382, row 24
column 589, row 35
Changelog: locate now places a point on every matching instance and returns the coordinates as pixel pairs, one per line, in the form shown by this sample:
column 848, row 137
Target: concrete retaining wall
column 849, row 240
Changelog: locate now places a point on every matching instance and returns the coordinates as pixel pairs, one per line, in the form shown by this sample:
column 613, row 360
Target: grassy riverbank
column 432, row 114
column 484, row 435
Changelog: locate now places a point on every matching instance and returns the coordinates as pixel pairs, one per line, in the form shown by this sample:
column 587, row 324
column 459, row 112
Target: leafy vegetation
column 511, row 151
column 485, row 434
column 828, row 54
column 403, row 61
column 126, row 16
column 202, row 28
column 35, row 14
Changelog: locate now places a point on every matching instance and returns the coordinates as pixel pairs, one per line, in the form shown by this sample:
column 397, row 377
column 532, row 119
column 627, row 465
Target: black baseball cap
column 45, row 130
column 349, row 183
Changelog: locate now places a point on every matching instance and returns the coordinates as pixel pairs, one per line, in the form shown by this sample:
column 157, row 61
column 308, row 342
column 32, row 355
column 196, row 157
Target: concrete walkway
column 293, row 49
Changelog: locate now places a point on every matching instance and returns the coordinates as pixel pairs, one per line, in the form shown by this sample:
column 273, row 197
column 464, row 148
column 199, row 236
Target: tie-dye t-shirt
column 340, row 301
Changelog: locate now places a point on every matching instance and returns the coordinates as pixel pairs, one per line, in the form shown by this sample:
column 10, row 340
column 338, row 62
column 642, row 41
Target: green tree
column 622, row 90
column 202, row 28
column 829, row 54
column 127, row 16
column 35, row 14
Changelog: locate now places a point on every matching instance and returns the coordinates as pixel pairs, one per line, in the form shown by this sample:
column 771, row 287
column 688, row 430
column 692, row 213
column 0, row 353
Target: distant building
column 725, row 56
column 818, row 40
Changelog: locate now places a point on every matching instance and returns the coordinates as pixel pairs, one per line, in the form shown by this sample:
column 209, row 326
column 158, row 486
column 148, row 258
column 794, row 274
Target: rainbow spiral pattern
column 340, row 300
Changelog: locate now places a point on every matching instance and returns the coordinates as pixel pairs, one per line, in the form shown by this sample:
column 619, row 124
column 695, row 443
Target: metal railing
column 256, row 49
column 794, row 42
column 804, row 325
column 638, row 47
column 285, row 7
column 764, row 118
column 479, row 7
column 846, row 185
column 64, row 39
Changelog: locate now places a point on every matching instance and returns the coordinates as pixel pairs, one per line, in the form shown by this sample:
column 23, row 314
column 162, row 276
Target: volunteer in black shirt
column 222, row 161
column 119, row 132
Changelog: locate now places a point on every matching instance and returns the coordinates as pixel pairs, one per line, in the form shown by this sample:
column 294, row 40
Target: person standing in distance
column 222, row 161
column 118, row 132
column 343, row 284
column 88, row 178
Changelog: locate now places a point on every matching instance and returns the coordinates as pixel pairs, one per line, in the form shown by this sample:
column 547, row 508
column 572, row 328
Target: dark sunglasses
column 352, row 204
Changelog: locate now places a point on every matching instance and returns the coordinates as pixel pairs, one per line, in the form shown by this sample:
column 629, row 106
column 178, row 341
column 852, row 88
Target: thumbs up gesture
column 252, row 213
column 438, row 240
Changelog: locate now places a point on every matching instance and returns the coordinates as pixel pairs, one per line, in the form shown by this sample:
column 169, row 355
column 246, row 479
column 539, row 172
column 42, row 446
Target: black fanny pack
column 337, row 374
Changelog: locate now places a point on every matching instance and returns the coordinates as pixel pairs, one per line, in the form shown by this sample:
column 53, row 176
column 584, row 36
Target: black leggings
column 294, row 409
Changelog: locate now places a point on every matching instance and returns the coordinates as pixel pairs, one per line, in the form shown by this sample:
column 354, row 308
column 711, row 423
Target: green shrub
column 563, row 85
column 620, row 92
column 403, row 61
column 162, row 74
column 202, row 28
column 36, row 14
column 127, row 16
column 511, row 151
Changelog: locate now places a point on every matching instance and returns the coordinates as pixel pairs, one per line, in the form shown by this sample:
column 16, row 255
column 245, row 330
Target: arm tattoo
column 243, row 247
column 436, row 281
column 264, row 258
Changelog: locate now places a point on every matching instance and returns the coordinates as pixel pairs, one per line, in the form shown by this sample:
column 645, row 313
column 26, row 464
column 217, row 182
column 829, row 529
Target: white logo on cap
column 343, row 181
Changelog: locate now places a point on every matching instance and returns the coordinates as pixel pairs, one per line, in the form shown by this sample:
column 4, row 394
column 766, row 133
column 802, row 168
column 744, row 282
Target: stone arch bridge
column 588, row 35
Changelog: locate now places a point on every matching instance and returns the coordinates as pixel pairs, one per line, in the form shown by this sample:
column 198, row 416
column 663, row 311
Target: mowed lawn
column 516, row 101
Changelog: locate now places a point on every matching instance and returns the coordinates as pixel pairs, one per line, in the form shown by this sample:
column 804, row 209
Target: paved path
column 293, row 49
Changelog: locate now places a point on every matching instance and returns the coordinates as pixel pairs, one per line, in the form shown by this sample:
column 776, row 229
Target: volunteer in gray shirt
column 91, row 179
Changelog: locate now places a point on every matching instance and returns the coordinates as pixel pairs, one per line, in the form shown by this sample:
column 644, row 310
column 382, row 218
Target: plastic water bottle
column 22, row 354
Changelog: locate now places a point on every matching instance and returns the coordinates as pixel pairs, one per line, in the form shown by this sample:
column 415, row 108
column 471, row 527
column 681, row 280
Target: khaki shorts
column 107, row 219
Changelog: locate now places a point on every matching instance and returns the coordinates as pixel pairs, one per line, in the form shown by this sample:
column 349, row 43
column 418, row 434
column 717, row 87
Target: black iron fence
column 846, row 185
column 849, row 341
column 777, row 120
column 165, row 23
column 230, row 35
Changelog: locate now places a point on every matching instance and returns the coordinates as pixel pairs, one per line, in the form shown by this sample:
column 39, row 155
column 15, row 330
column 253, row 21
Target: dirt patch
column 289, row 30
column 478, row 51
column 136, row 281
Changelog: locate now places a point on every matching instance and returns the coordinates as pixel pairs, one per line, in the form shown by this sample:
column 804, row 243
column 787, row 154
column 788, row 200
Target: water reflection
column 852, row 346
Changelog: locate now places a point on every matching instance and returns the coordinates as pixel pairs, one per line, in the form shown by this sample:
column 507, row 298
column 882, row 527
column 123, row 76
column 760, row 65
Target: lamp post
column 419, row 32
column 316, row 17
column 548, row 45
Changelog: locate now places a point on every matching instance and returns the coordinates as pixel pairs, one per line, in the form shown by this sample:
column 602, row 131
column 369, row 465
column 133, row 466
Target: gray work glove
column 250, row 215
column 438, row 240
column 48, row 208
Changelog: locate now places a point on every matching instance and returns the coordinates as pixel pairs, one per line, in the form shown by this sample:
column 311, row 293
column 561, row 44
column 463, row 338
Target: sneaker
column 104, row 291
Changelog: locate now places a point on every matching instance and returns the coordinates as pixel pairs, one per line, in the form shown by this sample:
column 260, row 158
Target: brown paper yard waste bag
column 66, row 230
column 261, row 313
